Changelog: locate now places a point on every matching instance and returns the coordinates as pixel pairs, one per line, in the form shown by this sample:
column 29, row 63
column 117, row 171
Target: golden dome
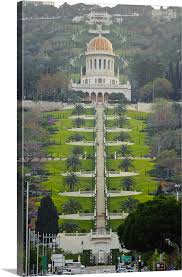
column 100, row 44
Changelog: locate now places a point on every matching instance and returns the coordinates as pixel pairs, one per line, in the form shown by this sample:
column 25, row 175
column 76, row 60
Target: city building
column 100, row 78
column 163, row 14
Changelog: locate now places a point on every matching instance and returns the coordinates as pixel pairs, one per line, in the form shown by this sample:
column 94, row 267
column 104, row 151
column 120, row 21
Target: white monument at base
column 100, row 78
column 96, row 241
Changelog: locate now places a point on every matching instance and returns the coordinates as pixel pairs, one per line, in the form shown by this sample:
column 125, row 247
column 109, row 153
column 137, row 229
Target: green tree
column 71, row 206
column 147, row 227
column 121, row 121
column 73, row 162
column 79, row 122
column 120, row 109
column 76, row 137
column 78, row 110
column 77, row 150
column 123, row 136
column 127, row 183
column 69, row 227
column 144, row 68
column 71, row 180
column 159, row 88
column 129, row 204
column 124, row 150
column 126, row 164
column 47, row 217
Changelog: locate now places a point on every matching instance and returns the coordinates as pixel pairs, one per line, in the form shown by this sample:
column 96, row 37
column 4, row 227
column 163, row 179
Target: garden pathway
column 100, row 178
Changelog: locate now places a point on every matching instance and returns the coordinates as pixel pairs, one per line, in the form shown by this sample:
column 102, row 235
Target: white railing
column 113, row 172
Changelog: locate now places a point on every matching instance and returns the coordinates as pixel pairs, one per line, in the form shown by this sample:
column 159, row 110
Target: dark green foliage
column 127, row 183
column 129, row 204
column 79, row 122
column 77, row 150
column 72, row 206
column 121, row 121
column 78, row 110
column 123, row 136
column 73, row 162
column 71, row 180
column 151, row 223
column 47, row 217
column 124, row 150
column 126, row 164
column 68, row 227
column 76, row 137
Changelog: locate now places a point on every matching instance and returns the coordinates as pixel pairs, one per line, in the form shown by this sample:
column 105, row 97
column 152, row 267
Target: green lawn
column 55, row 181
column 84, row 225
column 144, row 182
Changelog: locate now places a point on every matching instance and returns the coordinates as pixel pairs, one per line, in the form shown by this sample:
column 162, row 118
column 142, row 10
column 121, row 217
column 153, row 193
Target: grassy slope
column 55, row 181
column 143, row 182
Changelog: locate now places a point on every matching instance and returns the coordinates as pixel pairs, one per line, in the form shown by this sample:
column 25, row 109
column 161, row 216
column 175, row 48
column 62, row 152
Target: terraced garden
column 59, row 152
column 144, row 182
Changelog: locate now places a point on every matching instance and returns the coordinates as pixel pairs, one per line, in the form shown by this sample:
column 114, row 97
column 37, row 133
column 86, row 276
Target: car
column 65, row 272
column 130, row 269
column 121, row 270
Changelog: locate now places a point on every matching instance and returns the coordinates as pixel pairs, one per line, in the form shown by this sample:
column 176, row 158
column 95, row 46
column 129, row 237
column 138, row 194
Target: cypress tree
column 47, row 217
column 171, row 74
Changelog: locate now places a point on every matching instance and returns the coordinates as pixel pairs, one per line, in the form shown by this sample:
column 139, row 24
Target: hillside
column 58, row 44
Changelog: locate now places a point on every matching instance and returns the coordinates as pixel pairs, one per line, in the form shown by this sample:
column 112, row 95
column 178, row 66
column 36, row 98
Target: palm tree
column 71, row 180
column 124, row 150
column 120, row 109
column 77, row 150
column 78, row 110
column 121, row 121
column 128, row 183
column 123, row 136
column 73, row 163
column 68, row 227
column 76, row 137
column 129, row 204
column 126, row 164
column 71, row 206
column 78, row 122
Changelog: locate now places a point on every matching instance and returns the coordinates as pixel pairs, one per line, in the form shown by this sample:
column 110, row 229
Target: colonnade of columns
column 97, row 97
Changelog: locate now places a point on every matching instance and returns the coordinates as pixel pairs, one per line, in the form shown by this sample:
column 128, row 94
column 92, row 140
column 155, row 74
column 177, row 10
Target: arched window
column 100, row 81
column 96, row 81
column 99, row 63
column 86, row 81
column 109, row 64
column 95, row 63
column 104, row 64
column 104, row 81
column 113, row 82
column 91, row 64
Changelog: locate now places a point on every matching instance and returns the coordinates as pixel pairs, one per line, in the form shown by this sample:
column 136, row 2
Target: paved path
column 83, row 117
column 117, row 130
column 78, row 194
column 88, row 129
column 81, row 143
column 115, row 143
column 100, row 181
column 81, row 173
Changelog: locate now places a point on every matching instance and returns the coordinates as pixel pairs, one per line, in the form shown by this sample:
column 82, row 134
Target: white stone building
column 100, row 78
column 99, row 18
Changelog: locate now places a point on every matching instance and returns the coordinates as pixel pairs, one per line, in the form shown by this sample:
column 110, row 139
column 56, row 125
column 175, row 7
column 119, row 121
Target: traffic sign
column 125, row 259
column 44, row 263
